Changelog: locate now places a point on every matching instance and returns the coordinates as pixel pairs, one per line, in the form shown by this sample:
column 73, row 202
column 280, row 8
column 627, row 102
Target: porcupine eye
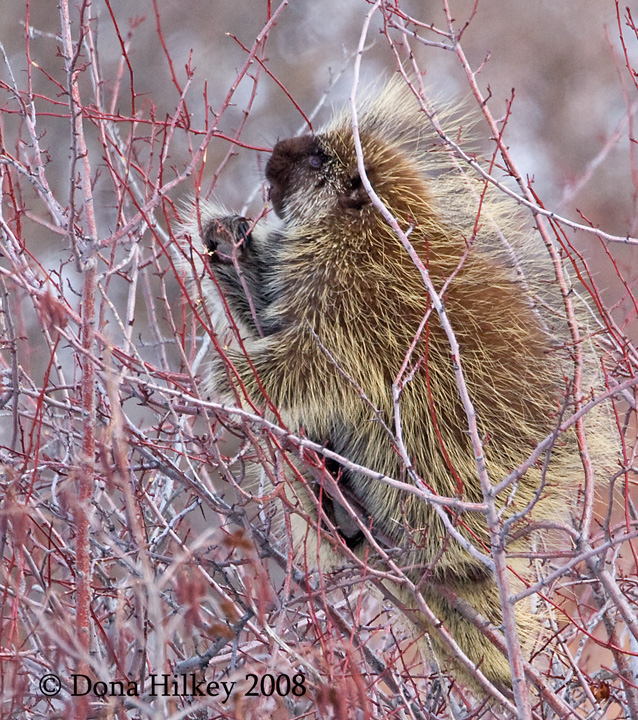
column 315, row 162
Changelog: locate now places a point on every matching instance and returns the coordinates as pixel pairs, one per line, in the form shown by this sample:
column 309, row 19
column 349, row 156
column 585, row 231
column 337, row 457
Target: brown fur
column 338, row 301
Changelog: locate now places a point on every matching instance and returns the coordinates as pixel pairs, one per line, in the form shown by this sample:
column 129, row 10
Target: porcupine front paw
column 227, row 238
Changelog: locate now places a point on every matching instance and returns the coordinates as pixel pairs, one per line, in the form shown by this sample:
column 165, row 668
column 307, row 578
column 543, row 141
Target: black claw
column 243, row 227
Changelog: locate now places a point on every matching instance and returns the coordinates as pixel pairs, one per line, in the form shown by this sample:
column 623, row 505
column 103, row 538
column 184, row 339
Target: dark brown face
column 295, row 163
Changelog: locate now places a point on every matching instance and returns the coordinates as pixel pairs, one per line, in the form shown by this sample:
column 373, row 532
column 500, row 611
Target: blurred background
column 561, row 65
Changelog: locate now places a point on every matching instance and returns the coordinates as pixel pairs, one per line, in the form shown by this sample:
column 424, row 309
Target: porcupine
column 328, row 302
